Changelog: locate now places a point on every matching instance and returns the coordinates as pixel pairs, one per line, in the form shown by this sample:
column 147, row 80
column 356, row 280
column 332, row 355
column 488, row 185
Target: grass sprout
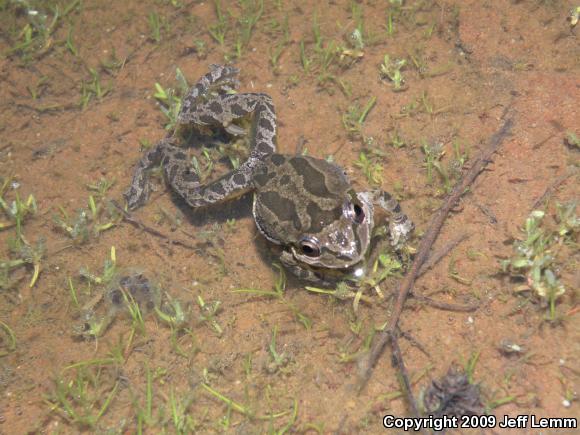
column 535, row 256
column 391, row 69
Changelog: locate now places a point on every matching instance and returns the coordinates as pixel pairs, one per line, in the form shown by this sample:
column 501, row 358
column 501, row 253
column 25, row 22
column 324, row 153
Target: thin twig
column 127, row 217
column 444, row 305
column 439, row 255
column 552, row 188
column 388, row 334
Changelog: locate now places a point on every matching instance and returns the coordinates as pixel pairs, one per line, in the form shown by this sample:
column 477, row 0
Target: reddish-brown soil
column 477, row 59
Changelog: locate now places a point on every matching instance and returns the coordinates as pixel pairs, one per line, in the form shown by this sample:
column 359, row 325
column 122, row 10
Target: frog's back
column 297, row 195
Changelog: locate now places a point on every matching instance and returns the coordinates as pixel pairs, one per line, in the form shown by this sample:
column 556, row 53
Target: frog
column 305, row 205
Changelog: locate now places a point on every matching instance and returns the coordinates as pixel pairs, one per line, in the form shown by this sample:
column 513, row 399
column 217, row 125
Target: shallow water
column 466, row 62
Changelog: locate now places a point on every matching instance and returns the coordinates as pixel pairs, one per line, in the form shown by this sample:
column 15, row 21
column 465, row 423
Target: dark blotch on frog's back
column 262, row 178
column 283, row 208
column 320, row 219
column 321, row 178
column 277, row 159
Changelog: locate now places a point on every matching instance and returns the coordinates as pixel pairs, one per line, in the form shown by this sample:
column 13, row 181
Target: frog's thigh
column 180, row 176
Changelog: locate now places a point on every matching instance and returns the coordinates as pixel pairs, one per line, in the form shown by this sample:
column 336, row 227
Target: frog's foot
column 400, row 226
column 180, row 176
column 302, row 273
column 138, row 192
column 220, row 80
column 223, row 110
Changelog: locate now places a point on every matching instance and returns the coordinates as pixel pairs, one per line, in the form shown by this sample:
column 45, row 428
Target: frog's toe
column 235, row 130
column 136, row 196
column 225, row 77
column 401, row 232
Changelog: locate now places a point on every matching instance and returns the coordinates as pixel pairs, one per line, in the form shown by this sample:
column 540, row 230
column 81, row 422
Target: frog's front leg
column 138, row 192
column 302, row 273
column 400, row 226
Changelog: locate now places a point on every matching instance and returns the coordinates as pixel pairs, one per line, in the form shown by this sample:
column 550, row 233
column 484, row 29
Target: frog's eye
column 359, row 213
column 309, row 246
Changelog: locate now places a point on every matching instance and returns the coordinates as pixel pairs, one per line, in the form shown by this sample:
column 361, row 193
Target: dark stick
column 404, row 378
column 423, row 252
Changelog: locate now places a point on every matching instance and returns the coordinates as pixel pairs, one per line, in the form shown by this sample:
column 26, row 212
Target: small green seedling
column 109, row 270
column 279, row 360
column 396, row 141
column 8, row 344
column 92, row 89
column 218, row 30
column 37, row 89
column 37, row 36
column 170, row 99
column 391, row 69
column 112, row 64
column 25, row 255
column 304, row 59
column 574, row 16
column 536, row 254
column 173, row 313
column 99, row 216
column 70, row 45
column 17, row 211
column 372, row 167
column 208, row 314
column 572, row 140
column 355, row 117
column 278, row 292
column 83, row 399
column 433, row 155
column 242, row 409
column 155, row 23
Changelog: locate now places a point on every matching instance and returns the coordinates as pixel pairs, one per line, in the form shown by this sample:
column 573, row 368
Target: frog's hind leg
column 219, row 80
column 180, row 176
column 221, row 111
column 138, row 192
column 224, row 109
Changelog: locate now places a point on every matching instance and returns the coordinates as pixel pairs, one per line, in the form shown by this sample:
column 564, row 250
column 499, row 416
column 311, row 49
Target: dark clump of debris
column 453, row 395
column 140, row 289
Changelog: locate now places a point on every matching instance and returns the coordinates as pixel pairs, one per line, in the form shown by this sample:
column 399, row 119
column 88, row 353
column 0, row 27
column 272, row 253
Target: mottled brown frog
column 304, row 204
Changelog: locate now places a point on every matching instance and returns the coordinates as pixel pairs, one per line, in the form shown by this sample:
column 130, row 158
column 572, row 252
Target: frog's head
column 341, row 243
